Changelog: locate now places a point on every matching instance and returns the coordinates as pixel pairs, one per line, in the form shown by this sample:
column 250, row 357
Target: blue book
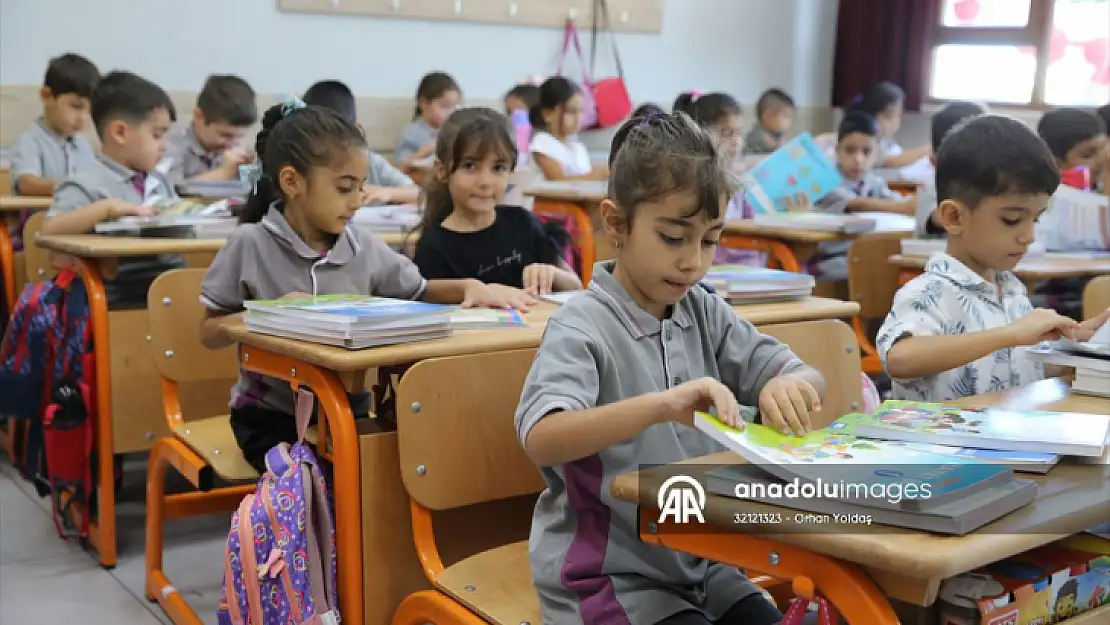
column 351, row 310
column 797, row 167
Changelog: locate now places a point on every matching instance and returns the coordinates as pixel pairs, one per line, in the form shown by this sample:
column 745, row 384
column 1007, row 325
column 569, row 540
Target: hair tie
column 695, row 96
column 652, row 116
column 292, row 103
column 251, row 174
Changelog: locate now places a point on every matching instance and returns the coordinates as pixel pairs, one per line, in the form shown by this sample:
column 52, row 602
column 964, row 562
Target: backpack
column 279, row 566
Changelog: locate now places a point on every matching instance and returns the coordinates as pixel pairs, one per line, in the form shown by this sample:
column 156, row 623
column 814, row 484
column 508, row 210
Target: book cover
column 991, row 428
column 750, row 278
column 473, row 318
column 346, row 308
column 561, row 297
column 813, row 457
column 797, row 167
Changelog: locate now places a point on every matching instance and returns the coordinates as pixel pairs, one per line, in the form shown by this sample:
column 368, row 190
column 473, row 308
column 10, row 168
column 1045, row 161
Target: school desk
column 10, row 207
column 366, row 465
column 1029, row 270
column 575, row 200
column 857, row 570
column 129, row 402
column 790, row 247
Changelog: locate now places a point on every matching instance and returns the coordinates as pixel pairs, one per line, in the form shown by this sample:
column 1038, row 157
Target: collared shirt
column 571, row 154
column 951, row 299
column 830, row 263
column 185, row 157
column 588, row 562
column 760, row 140
column 106, row 179
column 43, row 153
column 383, row 174
column 415, row 136
column 268, row 260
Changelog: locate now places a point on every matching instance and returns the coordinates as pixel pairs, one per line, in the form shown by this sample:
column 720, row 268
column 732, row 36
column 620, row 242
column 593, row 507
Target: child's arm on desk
column 29, row 184
column 76, row 211
column 920, row 356
column 553, row 170
column 909, row 157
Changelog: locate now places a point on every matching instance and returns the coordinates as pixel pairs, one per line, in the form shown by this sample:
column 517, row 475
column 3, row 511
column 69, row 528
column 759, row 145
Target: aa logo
column 680, row 498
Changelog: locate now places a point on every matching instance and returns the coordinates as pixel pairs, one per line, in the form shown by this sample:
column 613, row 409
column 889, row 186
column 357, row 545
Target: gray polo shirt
column 104, row 178
column 415, row 136
column 830, row 263
column 43, row 153
column 589, row 565
column 268, row 260
column 185, row 157
column 383, row 174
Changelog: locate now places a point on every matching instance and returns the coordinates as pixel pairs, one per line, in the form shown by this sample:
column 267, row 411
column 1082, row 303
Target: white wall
column 738, row 46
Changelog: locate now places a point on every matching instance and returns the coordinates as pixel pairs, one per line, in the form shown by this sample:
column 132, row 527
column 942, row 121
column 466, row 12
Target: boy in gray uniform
column 207, row 148
column 132, row 116
column 617, row 378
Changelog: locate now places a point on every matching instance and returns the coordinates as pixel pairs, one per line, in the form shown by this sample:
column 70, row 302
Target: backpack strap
column 317, row 520
column 249, row 560
column 231, row 597
column 278, row 460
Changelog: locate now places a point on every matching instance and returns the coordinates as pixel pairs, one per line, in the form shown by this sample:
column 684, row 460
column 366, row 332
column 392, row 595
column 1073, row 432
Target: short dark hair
column 432, row 86
column 528, row 94
column 125, row 96
column 648, row 108
column 707, row 108
column 71, row 73
column 949, row 117
column 857, row 122
column 773, row 100
column 878, row 98
column 658, row 156
column 1064, row 128
column 227, row 99
column 554, row 92
column 992, row 155
column 334, row 95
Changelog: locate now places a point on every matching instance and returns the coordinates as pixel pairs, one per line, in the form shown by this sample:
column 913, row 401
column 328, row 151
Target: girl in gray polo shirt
column 617, row 378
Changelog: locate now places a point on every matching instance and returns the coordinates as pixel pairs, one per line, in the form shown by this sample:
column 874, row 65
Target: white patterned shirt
column 949, row 299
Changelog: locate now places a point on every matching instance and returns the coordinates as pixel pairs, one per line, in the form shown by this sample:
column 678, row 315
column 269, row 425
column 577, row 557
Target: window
column 1021, row 52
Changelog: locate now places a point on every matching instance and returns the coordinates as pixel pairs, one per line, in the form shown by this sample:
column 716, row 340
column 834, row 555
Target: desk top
column 16, row 203
column 909, row 565
column 592, row 191
column 481, row 341
column 1036, row 268
column 98, row 246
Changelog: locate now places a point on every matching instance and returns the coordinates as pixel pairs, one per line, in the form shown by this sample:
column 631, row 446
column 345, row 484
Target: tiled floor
column 46, row 580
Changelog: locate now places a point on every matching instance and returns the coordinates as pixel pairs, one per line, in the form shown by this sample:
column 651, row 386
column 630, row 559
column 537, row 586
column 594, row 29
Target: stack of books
column 821, row 222
column 742, row 284
column 351, row 321
column 176, row 219
column 930, row 246
column 920, row 466
column 1091, row 360
column 388, row 219
column 215, row 189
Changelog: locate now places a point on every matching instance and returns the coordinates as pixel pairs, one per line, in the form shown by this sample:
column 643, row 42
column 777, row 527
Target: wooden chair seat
column 496, row 585
column 213, row 440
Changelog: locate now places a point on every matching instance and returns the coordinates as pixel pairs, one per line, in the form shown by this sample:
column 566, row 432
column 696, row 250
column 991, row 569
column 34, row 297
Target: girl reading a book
column 466, row 232
column 617, row 379
column 295, row 238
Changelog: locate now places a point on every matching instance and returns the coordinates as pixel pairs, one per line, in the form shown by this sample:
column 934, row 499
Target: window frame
column 1037, row 33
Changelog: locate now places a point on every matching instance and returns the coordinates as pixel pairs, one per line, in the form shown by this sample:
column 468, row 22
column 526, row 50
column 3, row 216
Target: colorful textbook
column 797, row 167
column 743, row 284
column 991, row 428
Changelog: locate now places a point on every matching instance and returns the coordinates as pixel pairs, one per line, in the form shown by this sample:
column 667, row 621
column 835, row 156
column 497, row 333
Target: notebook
column 797, row 167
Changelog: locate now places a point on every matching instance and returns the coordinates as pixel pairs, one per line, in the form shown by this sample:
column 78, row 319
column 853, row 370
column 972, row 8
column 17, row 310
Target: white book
column 561, row 297
column 820, row 222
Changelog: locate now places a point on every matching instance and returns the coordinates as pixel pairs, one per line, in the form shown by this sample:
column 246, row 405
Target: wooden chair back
column 1096, row 296
column 830, row 347
column 176, row 313
column 872, row 280
column 36, row 259
column 457, row 442
column 6, row 185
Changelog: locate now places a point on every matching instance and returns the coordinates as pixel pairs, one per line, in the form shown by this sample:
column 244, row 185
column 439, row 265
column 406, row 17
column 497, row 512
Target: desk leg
column 779, row 251
column 335, row 417
column 102, row 530
column 7, row 264
column 854, row 594
column 585, row 225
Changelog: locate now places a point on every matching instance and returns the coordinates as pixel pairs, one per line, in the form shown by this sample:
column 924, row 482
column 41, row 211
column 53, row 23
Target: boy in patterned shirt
column 965, row 326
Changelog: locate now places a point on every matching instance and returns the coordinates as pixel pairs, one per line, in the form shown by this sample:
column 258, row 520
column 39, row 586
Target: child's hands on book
column 1088, row 328
column 539, row 278
column 478, row 295
column 702, row 395
column 116, row 209
column 1041, row 325
column 786, row 402
column 799, row 203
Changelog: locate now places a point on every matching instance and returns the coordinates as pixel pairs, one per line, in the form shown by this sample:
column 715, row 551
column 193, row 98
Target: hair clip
column 695, row 95
column 251, row 174
column 292, row 103
column 652, row 116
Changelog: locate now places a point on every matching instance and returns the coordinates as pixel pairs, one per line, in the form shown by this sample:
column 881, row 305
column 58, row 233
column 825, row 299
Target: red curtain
column 880, row 40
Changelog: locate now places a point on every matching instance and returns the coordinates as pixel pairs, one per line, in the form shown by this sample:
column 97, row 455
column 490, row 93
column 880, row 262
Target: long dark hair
column 433, row 85
column 471, row 132
column 707, row 109
column 302, row 138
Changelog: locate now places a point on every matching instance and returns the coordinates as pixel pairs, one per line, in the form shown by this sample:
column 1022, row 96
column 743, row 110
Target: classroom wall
column 738, row 46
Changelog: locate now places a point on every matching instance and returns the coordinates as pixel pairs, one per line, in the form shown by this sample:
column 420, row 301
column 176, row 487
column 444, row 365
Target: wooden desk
column 10, row 207
column 857, row 570
column 372, row 588
column 577, row 201
column 128, row 387
column 791, row 247
column 1029, row 270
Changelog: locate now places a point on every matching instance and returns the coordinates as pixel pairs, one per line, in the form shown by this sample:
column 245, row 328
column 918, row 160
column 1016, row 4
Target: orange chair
column 200, row 449
column 872, row 282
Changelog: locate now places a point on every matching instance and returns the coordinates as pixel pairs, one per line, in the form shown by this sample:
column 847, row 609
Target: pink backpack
column 279, row 566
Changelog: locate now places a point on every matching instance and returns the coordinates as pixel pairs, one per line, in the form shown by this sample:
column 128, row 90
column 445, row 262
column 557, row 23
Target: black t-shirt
column 496, row 255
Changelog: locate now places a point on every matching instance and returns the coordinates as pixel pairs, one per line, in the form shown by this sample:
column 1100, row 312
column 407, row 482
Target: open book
column 797, row 167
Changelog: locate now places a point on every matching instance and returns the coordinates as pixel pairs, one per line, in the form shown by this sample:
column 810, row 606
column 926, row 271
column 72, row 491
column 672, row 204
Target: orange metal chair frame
column 7, row 264
column 777, row 251
column 169, row 451
column 906, row 274
column 582, row 221
column 854, row 594
column 334, row 415
column 869, row 355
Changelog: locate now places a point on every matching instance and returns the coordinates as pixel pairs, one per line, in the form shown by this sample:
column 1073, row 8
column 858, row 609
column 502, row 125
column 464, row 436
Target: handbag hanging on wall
column 610, row 95
column 589, row 110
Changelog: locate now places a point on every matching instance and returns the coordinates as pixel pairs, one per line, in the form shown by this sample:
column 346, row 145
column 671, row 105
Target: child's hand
column 799, row 203
column 538, row 278
column 232, row 158
column 1039, row 326
column 700, row 396
column 376, row 195
column 479, row 295
column 118, row 208
column 786, row 403
column 1088, row 328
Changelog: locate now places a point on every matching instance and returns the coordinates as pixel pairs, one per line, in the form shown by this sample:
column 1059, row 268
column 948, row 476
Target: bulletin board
column 643, row 16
